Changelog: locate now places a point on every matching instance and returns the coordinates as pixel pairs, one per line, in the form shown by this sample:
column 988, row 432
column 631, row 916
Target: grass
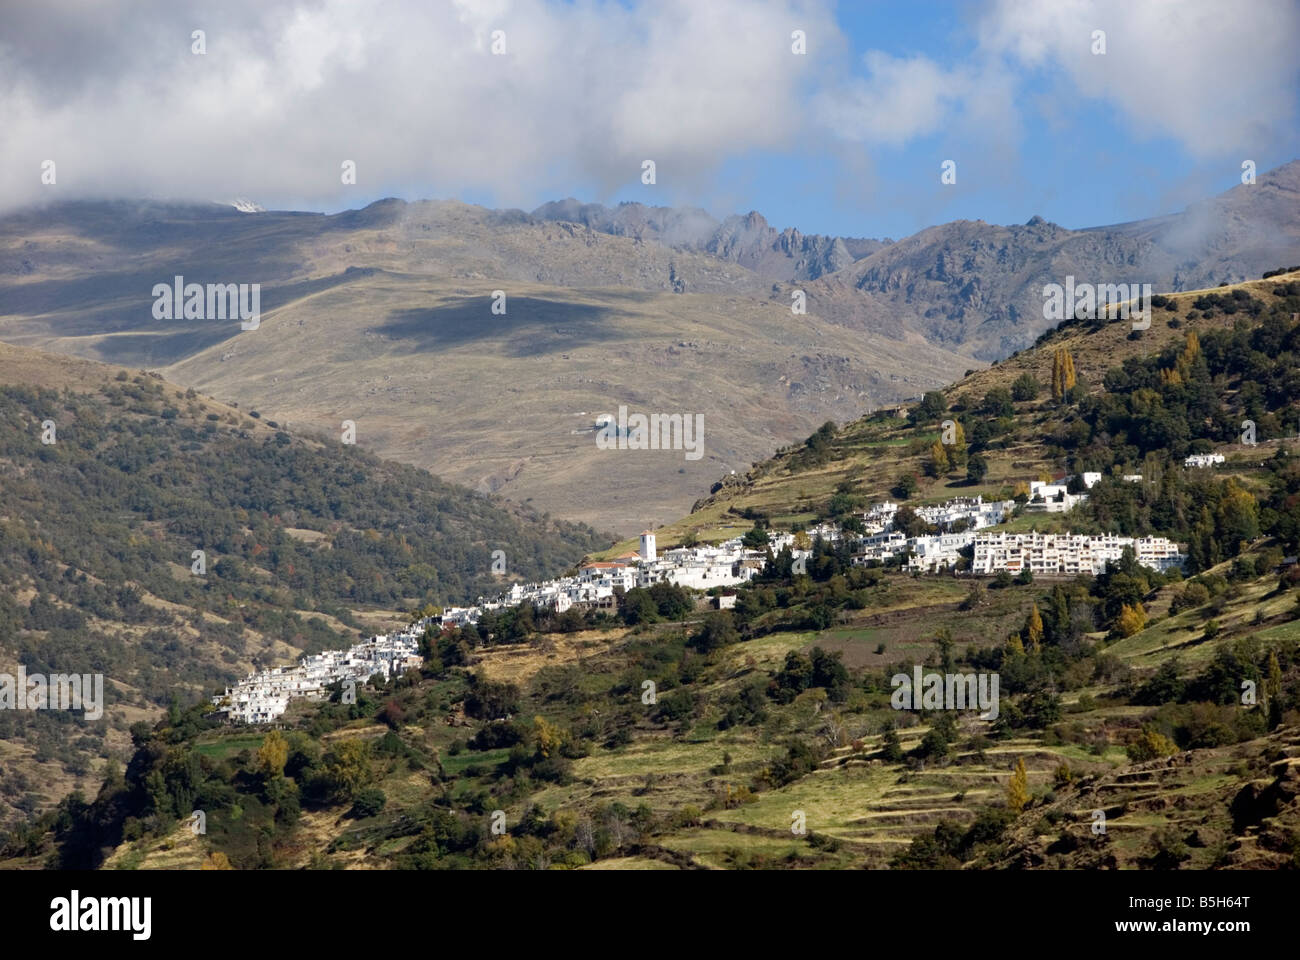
column 229, row 746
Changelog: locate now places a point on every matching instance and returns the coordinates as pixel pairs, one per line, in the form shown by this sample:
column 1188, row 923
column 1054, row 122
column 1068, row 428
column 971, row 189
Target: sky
column 511, row 103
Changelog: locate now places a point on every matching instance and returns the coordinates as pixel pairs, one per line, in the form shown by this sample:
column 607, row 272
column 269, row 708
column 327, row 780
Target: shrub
column 369, row 802
column 1151, row 745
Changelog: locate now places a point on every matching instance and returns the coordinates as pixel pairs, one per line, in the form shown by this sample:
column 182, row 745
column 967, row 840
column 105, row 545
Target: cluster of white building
column 879, row 519
column 730, row 563
column 1050, row 554
column 1203, row 460
column 1068, row 554
column 716, row 565
column 262, row 697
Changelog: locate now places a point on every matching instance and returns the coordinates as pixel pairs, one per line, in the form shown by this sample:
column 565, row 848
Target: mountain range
column 384, row 316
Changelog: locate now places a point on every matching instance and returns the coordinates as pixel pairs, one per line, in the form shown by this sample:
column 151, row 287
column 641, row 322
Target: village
column 963, row 532
column 263, row 697
column 959, row 522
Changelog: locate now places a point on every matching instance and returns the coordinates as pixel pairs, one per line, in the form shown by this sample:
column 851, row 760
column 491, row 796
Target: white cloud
column 1216, row 78
column 409, row 90
column 902, row 99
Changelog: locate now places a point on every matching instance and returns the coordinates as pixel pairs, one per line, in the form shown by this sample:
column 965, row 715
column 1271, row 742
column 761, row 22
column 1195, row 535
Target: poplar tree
column 939, row 463
column 1018, row 788
column 1034, row 629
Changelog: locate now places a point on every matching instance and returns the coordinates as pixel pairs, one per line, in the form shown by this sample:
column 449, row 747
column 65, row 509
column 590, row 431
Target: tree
column 943, row 640
column 932, row 406
column 718, row 631
column 1018, row 788
column 1034, row 629
column 977, row 468
column 1151, row 745
column 549, row 737
column 997, row 403
column 1063, row 376
column 369, row 802
column 957, row 449
column 1238, row 517
column 1131, row 619
column 939, row 463
column 348, row 767
column 905, row 487
column 1273, row 691
column 891, row 746
column 1025, row 388
column 216, row 861
column 272, row 755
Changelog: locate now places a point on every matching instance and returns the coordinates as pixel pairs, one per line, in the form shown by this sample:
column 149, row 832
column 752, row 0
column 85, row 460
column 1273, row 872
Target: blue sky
column 1126, row 172
column 845, row 139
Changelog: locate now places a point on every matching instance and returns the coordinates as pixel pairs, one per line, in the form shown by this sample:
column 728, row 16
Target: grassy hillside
column 744, row 736
column 665, row 735
column 308, row 545
column 1026, row 439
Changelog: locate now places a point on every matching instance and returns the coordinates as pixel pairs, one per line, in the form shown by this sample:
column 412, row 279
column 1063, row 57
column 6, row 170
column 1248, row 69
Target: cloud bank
column 413, row 93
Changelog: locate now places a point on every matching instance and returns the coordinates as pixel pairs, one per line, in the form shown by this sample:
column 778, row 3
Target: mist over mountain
column 748, row 240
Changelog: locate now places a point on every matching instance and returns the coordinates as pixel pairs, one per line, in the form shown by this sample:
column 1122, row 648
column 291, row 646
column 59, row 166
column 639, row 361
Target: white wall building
column 1067, row 554
column 262, row 697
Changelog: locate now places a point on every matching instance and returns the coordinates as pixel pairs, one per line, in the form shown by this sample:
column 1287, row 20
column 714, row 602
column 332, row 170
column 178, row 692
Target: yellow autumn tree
column 1191, row 350
column 1131, row 619
column 1018, row 787
column 1034, row 629
column 347, row 765
column 1063, row 376
column 1151, row 745
column 1015, row 646
column 216, row 861
column 273, row 755
column 549, row 737
column 939, row 463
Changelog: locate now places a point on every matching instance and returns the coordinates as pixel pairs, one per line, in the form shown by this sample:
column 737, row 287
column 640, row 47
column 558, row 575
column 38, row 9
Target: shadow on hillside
column 532, row 327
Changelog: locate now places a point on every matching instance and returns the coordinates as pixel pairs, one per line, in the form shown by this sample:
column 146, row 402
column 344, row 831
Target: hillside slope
column 306, row 546
column 384, row 316
column 665, row 735
column 1024, row 439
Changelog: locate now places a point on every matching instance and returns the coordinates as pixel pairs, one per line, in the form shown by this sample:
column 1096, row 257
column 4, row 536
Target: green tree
column 717, row 631
column 1025, row 388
